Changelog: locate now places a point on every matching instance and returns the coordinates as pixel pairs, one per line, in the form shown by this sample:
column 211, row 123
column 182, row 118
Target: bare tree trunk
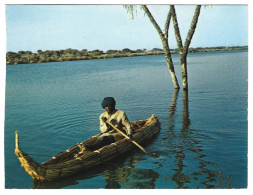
column 183, row 50
column 164, row 38
column 183, row 63
column 170, row 64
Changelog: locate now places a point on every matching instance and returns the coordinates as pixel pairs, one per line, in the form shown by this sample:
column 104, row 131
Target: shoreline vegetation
column 28, row 57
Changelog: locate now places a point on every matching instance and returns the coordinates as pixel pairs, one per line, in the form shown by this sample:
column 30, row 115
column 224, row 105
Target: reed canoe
column 72, row 160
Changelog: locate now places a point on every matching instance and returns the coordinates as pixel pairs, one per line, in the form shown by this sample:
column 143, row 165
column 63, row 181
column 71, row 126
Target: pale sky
column 104, row 27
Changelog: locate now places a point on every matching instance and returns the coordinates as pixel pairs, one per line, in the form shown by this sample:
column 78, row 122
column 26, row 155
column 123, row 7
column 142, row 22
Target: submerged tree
column 183, row 50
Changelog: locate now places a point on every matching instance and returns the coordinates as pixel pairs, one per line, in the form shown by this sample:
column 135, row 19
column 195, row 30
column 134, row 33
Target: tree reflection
column 186, row 141
column 172, row 110
column 130, row 177
column 186, row 119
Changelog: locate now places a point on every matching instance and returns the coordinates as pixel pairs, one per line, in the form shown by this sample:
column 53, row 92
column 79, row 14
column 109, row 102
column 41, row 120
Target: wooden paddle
column 134, row 142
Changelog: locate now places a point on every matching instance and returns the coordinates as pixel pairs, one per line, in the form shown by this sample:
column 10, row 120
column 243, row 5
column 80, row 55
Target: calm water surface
column 203, row 137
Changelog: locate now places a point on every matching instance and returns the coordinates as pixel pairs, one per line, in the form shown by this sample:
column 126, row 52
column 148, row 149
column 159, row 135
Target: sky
column 104, row 27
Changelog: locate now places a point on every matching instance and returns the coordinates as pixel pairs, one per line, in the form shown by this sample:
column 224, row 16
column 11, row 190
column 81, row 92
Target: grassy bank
column 28, row 57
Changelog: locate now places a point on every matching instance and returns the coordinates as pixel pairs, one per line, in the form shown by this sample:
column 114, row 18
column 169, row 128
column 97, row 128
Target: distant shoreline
column 27, row 57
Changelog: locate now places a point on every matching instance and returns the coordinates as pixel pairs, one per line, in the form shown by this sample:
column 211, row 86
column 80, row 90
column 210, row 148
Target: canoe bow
column 30, row 166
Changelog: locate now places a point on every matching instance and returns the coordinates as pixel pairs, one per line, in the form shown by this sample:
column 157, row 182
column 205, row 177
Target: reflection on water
column 130, row 177
column 124, row 172
column 186, row 141
column 82, row 175
column 203, row 137
column 119, row 173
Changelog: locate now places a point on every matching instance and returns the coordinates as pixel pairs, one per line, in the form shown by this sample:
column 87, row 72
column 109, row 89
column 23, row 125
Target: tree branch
column 177, row 31
column 157, row 27
column 192, row 28
column 167, row 25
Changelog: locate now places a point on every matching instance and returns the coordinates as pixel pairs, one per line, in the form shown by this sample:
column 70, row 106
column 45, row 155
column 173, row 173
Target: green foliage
column 132, row 10
column 112, row 51
column 96, row 52
column 126, row 50
column 157, row 49
column 27, row 57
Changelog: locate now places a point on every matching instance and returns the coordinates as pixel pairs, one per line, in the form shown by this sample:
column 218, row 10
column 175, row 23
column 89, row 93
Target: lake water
column 203, row 137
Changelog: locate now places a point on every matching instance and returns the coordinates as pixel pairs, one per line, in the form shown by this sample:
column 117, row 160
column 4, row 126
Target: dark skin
column 110, row 109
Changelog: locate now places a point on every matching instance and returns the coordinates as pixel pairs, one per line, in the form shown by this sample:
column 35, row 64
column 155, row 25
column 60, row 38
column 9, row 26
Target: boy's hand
column 104, row 119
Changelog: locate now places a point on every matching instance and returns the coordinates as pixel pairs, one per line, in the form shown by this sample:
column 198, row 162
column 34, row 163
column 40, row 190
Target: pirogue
column 72, row 160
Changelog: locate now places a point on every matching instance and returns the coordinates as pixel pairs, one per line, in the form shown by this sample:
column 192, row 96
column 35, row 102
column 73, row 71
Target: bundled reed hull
column 67, row 163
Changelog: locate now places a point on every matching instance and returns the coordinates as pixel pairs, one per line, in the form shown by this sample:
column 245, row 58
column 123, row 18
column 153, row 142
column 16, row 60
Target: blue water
column 203, row 137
